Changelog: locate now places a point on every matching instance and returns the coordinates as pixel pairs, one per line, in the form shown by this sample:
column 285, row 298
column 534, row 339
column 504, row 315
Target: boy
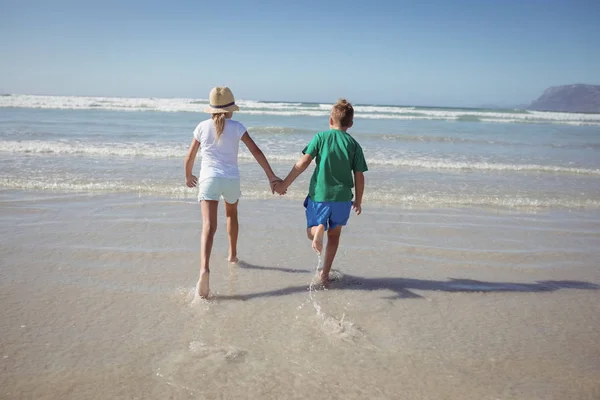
column 329, row 201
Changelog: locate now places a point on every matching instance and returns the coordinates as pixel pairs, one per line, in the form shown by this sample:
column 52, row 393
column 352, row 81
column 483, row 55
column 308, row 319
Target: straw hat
column 221, row 101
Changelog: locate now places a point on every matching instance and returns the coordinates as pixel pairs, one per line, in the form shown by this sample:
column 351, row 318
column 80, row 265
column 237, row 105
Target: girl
column 218, row 138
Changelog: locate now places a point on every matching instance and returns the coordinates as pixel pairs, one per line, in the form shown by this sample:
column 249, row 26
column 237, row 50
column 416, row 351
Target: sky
column 445, row 53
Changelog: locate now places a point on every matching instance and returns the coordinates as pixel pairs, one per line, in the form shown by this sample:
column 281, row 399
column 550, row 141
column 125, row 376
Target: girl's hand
column 191, row 181
column 274, row 182
column 280, row 188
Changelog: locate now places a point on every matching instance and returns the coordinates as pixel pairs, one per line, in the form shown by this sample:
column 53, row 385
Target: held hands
column 191, row 181
column 277, row 186
column 357, row 206
column 280, row 188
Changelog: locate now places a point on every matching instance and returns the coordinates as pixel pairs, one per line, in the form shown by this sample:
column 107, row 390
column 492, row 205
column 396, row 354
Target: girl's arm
column 260, row 158
column 191, row 180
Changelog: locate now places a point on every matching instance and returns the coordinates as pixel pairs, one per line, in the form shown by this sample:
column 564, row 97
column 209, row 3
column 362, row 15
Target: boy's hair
column 342, row 113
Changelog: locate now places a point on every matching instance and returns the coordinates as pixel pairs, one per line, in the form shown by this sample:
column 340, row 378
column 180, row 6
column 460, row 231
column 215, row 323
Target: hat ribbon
column 224, row 106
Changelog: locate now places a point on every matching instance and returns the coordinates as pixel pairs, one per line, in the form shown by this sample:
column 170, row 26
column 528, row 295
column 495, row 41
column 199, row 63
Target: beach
column 98, row 302
column 471, row 274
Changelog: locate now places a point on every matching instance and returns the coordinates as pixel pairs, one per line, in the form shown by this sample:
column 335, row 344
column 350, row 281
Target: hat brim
column 212, row 110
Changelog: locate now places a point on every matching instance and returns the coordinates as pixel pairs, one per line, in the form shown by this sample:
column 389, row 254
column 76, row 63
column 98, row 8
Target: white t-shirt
column 219, row 158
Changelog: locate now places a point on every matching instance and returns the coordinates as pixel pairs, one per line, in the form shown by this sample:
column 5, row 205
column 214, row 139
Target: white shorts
column 214, row 188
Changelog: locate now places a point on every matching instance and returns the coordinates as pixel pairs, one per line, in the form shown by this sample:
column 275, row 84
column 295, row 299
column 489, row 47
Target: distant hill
column 569, row 98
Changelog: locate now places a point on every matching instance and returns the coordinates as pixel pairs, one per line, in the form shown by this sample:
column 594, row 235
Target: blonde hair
column 219, row 121
column 342, row 113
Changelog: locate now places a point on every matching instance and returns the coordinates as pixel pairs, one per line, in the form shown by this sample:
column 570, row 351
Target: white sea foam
column 427, row 200
column 122, row 149
column 380, row 109
column 168, row 150
column 481, row 166
column 294, row 109
column 270, row 130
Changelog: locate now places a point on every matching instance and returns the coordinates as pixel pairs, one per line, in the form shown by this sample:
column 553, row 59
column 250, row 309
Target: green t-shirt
column 337, row 155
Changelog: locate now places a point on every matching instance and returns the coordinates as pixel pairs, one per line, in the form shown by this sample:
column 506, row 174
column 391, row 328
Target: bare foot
column 232, row 259
column 202, row 287
column 325, row 281
column 317, row 243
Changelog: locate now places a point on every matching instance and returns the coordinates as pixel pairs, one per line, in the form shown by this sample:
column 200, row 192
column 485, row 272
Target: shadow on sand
column 401, row 287
column 245, row 265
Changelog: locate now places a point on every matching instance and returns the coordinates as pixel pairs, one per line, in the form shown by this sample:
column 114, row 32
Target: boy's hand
column 191, row 181
column 279, row 187
column 357, row 208
column 274, row 182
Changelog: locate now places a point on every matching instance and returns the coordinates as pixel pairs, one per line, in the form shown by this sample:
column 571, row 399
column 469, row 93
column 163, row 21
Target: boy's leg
column 316, row 235
column 317, row 215
column 209, row 227
column 309, row 233
column 333, row 241
column 340, row 213
column 231, row 212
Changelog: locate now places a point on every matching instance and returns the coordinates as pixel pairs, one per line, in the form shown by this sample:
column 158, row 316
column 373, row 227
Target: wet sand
column 97, row 302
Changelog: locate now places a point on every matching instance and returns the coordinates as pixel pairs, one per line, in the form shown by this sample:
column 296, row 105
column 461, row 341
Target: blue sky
column 387, row 52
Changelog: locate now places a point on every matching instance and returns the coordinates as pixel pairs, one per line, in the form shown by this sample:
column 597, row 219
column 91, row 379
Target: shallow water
column 97, row 302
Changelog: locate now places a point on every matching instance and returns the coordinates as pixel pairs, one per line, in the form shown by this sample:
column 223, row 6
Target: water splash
column 312, row 287
column 168, row 382
column 333, row 327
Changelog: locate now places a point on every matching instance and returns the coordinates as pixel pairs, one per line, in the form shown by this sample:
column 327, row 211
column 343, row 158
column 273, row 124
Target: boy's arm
column 297, row 169
column 191, row 180
column 260, row 159
column 359, row 184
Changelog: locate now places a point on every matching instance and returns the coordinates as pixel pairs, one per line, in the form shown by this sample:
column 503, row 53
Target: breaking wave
column 172, row 150
column 298, row 109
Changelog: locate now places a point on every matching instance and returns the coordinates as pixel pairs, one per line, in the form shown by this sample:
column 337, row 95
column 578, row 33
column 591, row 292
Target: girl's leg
column 231, row 212
column 209, row 227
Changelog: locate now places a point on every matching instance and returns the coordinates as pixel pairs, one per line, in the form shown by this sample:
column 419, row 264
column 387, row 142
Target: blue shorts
column 328, row 213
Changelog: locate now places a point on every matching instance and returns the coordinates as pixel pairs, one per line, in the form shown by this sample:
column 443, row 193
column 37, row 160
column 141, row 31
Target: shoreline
column 297, row 197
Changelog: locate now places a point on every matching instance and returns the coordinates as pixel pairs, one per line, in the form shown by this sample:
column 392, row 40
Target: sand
column 97, row 302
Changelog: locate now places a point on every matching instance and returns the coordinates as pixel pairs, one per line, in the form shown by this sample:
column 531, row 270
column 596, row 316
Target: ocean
column 418, row 156
column 472, row 273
